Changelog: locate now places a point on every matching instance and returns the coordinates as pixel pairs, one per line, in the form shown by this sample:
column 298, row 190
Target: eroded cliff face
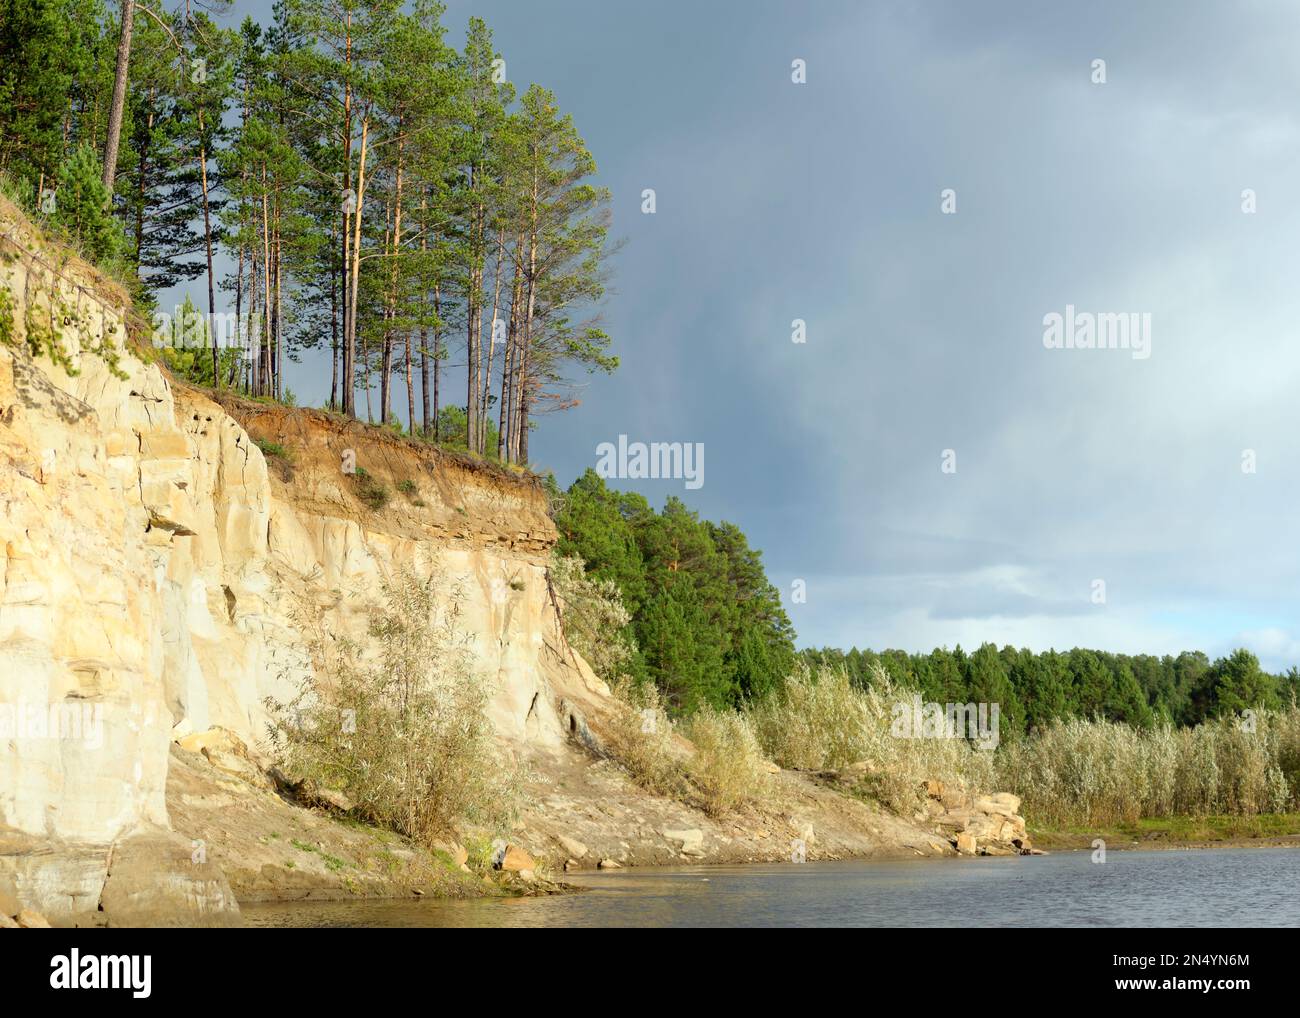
column 157, row 566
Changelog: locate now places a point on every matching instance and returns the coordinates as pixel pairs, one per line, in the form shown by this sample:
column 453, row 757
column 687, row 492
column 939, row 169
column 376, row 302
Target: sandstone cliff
column 154, row 564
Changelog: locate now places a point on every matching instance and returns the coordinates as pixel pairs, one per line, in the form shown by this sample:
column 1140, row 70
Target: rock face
column 156, row 567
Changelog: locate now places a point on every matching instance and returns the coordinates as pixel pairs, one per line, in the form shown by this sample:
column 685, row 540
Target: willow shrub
column 820, row 720
column 641, row 738
column 404, row 732
column 1103, row 772
column 595, row 618
column 728, row 768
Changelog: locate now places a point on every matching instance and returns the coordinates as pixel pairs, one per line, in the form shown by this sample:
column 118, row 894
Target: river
column 1219, row 887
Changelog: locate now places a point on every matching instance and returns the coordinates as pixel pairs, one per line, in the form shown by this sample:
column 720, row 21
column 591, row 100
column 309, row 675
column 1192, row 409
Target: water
column 1222, row 887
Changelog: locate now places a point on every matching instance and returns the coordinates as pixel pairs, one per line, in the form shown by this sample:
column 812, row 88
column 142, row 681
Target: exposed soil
column 271, row 849
column 581, row 798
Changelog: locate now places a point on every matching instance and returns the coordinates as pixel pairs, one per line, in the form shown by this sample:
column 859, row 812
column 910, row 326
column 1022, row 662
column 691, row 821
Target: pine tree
column 82, row 206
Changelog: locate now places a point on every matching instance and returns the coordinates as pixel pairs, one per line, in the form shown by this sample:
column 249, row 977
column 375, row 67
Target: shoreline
column 563, row 887
column 1177, row 833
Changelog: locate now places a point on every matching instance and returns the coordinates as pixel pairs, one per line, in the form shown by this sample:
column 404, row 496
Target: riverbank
column 1270, row 830
column 274, row 850
column 1137, row 889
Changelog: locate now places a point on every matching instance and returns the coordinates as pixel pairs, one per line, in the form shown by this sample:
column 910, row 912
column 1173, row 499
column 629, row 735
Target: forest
column 704, row 623
column 1036, row 689
column 337, row 177
column 706, row 626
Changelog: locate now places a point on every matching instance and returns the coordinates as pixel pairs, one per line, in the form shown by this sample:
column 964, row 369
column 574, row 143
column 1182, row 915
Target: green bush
column 405, row 734
column 369, row 490
column 595, row 619
column 273, row 449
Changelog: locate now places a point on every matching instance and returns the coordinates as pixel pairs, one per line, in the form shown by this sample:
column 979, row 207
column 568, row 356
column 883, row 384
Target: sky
column 822, row 201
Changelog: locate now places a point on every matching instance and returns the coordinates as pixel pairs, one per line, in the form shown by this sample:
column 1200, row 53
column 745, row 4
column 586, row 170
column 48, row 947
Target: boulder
column 335, row 799
column 1012, row 802
column 31, row 920
column 6, row 923
column 692, row 841
column 575, row 849
column 211, row 738
column 933, row 789
column 966, row 844
column 957, row 819
column 235, row 765
column 516, row 860
column 157, row 878
column 1003, row 803
column 990, row 820
column 608, row 864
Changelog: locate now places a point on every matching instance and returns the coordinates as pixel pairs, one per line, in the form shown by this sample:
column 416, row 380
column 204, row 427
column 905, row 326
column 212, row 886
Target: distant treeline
column 1036, row 689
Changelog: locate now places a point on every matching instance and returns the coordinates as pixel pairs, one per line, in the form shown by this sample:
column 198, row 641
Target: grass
column 273, row 449
column 1103, row 775
column 1174, row 830
column 332, row 862
column 371, row 492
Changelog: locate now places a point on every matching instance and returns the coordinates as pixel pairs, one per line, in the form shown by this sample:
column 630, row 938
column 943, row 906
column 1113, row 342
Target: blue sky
column 821, row 201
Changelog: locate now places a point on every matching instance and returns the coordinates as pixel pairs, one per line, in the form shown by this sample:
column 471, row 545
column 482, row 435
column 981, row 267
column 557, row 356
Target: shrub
column 1101, row 773
column 814, row 721
column 82, row 206
column 728, row 768
column 595, row 619
column 405, row 735
column 273, row 449
column 641, row 738
column 6, row 319
column 822, row 721
column 371, row 492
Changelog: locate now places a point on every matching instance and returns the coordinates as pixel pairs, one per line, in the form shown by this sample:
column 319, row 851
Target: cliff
column 155, row 563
